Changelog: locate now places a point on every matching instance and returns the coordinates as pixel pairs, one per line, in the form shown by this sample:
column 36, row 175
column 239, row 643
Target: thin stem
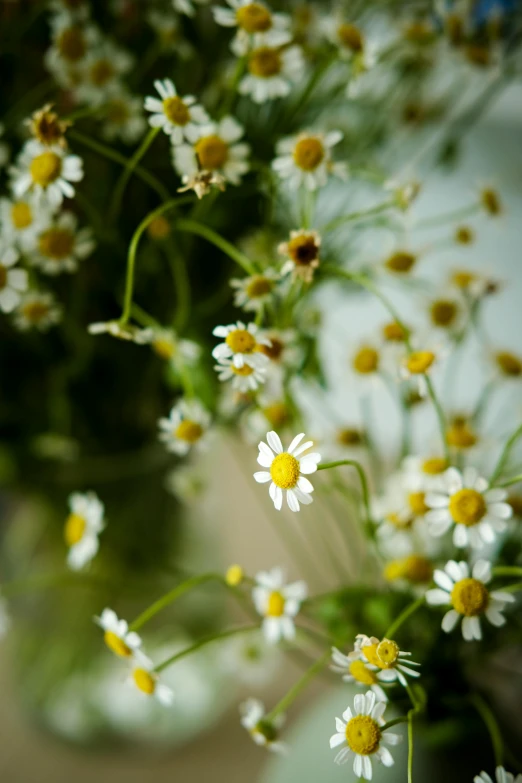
column 352, row 217
column 440, row 416
column 362, row 478
column 126, row 174
column 410, row 715
column 509, row 482
column 505, row 456
column 490, row 721
column 213, row 637
column 192, row 227
column 513, row 588
column 447, row 217
column 181, row 280
column 299, row 686
column 404, row 615
column 171, row 596
column 394, row 722
column 507, row 571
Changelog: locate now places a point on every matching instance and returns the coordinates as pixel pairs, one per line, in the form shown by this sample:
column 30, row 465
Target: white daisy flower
column 186, row 482
column 278, row 604
column 60, row 246
column 253, row 292
column 126, row 332
column 424, row 474
column 101, row 73
column 47, row 172
column 173, row 349
column 345, row 35
column 282, row 347
column 302, row 250
column 286, row 471
column 217, row 150
column 82, row 528
column 250, row 659
column 180, row 118
column 394, row 664
column 501, row 776
column 147, row 681
column 241, row 344
column 170, row 35
column 21, row 220
column 468, row 596
column 356, row 671
column 360, row 732
column 263, row 732
column 37, row 310
column 116, row 635
column 305, row 160
column 72, row 41
column 185, row 428
column 244, row 379
column 416, row 366
column 256, row 25
column 271, row 72
column 123, row 118
column 12, row 281
column 477, row 512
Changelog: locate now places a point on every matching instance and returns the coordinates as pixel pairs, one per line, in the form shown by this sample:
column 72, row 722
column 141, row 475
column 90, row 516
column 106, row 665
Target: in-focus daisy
column 180, row 118
column 37, row 310
column 101, row 73
column 271, row 72
column 394, row 664
column 123, row 118
column 147, row 681
column 241, row 344
column 357, row 671
column 185, row 427
column 217, row 150
column 21, row 220
column 47, row 172
column 477, row 512
column 173, row 349
column 12, row 281
column 123, row 332
column 360, row 732
column 469, row 597
column 256, row 25
column 82, row 528
column 262, row 731
column 278, row 604
column 501, row 776
column 253, row 292
column 116, row 635
column 306, row 159
column 302, row 250
column 60, row 246
column 287, row 470
column 244, row 379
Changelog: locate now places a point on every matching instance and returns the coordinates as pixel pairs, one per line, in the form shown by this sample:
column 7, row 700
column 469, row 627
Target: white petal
column 337, row 739
column 296, row 441
column 278, row 498
column 460, row 535
column 437, row 597
column 305, row 485
column 357, row 766
column 308, row 464
column 482, row 571
column 359, row 704
column 347, row 714
column 367, row 767
column 385, row 757
column 274, row 441
column 262, row 476
column 291, row 499
column 455, row 570
column 450, row 620
column 443, row 580
column 494, row 616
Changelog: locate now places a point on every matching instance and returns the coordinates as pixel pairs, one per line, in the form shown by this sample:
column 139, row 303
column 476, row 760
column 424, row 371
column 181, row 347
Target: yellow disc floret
column 259, row 286
column 387, row 653
column 443, row 312
column 254, row 18
column 414, row 568
column 363, row 735
column 71, row 44
column 308, row 153
column 212, row 152
column 366, row 360
column 241, row 341
column 116, row 644
column 45, row 168
column 276, row 605
column 394, row 332
column 74, row 529
column 265, row 62
column 56, row 243
column 470, row 597
column 350, row 36
column 434, row 465
column 189, row 431
column 176, row 111
column 361, row 673
column 35, row 311
column 234, row 575
column 303, row 249
column 509, row 364
column 401, row 262
column 419, row 362
column 144, row 681
column 278, row 414
column 21, row 215
column 164, row 348
column 285, row 471
column 417, row 503
column 102, row 71
column 467, row 507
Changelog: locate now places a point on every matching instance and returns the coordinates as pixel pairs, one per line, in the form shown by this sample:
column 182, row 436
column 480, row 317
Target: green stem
column 410, row 715
column 171, row 596
column 355, row 216
column 362, row 478
column 490, row 721
column 299, row 686
column 504, row 457
column 447, row 217
column 507, row 571
column 192, row 227
column 404, row 615
column 394, row 722
column 213, row 637
column 181, row 280
column 126, row 174
column 509, row 482
column 513, row 588
column 440, row 416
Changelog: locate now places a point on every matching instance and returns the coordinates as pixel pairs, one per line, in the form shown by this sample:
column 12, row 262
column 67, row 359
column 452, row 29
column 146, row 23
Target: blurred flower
column 186, row 482
column 168, row 346
column 47, row 172
column 12, row 281
column 257, row 25
column 305, row 159
column 262, row 731
column 60, row 246
column 245, row 378
column 286, row 470
column 501, row 776
column 117, row 636
column 277, row 603
column 180, row 118
column 185, row 428
column 21, row 220
column 37, row 310
column 101, row 73
column 121, row 331
column 271, row 72
column 358, row 672
column 250, row 659
column 201, row 182
column 147, row 681
column 123, row 118
column 82, row 528
column 217, row 150
column 302, row 250
column 253, row 292
column 47, row 128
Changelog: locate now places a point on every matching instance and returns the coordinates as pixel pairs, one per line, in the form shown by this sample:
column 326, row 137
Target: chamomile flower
column 281, row 347
column 394, row 664
column 170, row 35
column 37, row 310
column 256, row 25
column 241, row 344
column 104, row 66
column 501, row 776
column 360, row 732
column 302, row 250
column 144, row 678
column 173, row 349
column 180, row 118
column 366, row 362
column 47, row 172
column 416, row 366
column 345, row 35
column 244, row 379
column 262, row 731
column 21, row 220
column 412, row 570
column 278, row 604
column 253, row 292
column 186, row 482
column 250, row 659
column 477, row 512
column 344, row 441
column 271, row 72
column 127, row 332
column 123, row 118
column 306, row 159
column 82, row 528
column 424, row 474
column 287, row 470
column 12, row 281
column 72, row 40
column 46, row 127
column 357, row 671
column 507, row 365
column 185, row 427
column 117, row 636
column 218, row 150
column 468, row 597
column 60, row 246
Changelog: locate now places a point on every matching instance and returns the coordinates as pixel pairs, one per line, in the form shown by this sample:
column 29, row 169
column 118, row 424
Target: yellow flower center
column 400, row 521
column 469, row 597
column 415, row 568
column 46, row 126
column 102, row 71
column 394, row 332
column 434, row 465
column 189, row 431
column 467, row 507
column 285, row 471
column 35, row 311
column 463, row 279
column 212, row 152
column 71, row 44
column 254, row 18
column 164, row 348
column 234, row 575
column 464, row 235
column 144, row 681
column 361, row 673
column 350, row 36
column 509, row 364
column 56, row 243
column 116, row 644
column 277, row 414
column 274, row 350
column 259, row 286
column 363, row 735
column 348, row 437
column 443, row 312
column 45, row 168
column 243, row 371
column 265, row 62
column 308, row 153
column 74, row 529
column 303, row 249
column 491, row 201
column 366, row 361
column 460, row 436
column 240, row 341
column 401, row 262
column 159, row 228
column 176, row 111
column 387, row 652
column 21, row 215
column 419, row 361
column 276, row 605
column 417, row 503
column 3, row 276
column 117, row 112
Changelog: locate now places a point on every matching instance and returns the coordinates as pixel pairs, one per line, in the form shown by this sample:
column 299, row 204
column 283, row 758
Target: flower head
column 302, row 250
column 277, row 603
column 180, row 118
column 47, row 172
column 253, row 292
column 117, row 636
column 59, row 246
column 37, row 310
column 168, row 346
column 244, row 379
column 123, row 115
column 145, row 679
column 305, row 160
column 82, row 528
column 241, row 344
column 357, row 671
column 271, row 71
column 287, row 470
column 21, row 220
column 217, row 150
column 12, row 281
column 185, row 428
column 264, row 732
column 393, row 663
column 47, row 128
column 256, row 25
